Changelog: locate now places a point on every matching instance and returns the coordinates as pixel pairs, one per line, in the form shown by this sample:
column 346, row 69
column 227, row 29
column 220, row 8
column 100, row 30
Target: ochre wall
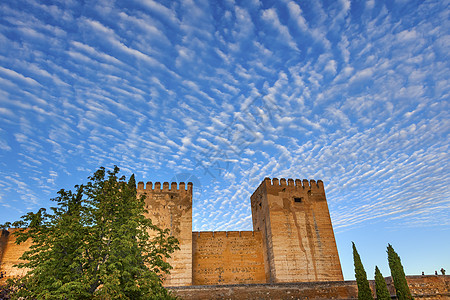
column 10, row 253
column 172, row 209
column 298, row 237
column 231, row 257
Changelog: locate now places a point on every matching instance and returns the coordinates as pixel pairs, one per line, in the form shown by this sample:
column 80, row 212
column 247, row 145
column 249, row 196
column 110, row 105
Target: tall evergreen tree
column 364, row 291
column 95, row 244
column 380, row 286
column 398, row 275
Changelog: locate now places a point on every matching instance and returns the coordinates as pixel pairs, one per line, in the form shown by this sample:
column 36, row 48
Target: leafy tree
column 364, row 291
column 95, row 244
column 398, row 274
column 380, row 286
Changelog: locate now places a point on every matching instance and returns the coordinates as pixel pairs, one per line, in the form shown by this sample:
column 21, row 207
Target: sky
column 226, row 93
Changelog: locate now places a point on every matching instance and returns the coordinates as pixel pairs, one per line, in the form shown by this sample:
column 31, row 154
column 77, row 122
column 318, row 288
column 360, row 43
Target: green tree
column 95, row 244
column 398, row 274
column 364, row 291
column 380, row 286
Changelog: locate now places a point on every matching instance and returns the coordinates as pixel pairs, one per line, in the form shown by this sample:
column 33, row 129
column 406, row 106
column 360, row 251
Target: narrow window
column 297, row 200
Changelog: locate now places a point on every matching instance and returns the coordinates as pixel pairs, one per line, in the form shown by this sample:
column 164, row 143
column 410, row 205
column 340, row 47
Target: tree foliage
column 382, row 291
column 398, row 274
column 364, row 291
column 95, row 244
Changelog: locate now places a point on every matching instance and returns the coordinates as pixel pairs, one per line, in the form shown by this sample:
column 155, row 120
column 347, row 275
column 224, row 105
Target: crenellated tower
column 172, row 208
column 298, row 238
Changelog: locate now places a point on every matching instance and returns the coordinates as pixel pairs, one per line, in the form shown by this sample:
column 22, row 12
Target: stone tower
column 298, row 238
column 172, row 209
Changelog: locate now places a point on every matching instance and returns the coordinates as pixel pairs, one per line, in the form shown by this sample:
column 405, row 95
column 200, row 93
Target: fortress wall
column 422, row 287
column 172, row 208
column 10, row 253
column 233, row 257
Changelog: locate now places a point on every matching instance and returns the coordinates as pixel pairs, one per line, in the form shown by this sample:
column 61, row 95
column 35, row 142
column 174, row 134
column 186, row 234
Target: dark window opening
column 298, row 200
column 260, row 205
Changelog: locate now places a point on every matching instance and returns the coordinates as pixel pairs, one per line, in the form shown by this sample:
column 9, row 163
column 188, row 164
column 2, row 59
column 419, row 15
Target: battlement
column 149, row 188
column 290, row 184
column 304, row 184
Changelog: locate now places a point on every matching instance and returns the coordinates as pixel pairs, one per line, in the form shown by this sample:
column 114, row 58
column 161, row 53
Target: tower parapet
column 149, row 188
column 291, row 183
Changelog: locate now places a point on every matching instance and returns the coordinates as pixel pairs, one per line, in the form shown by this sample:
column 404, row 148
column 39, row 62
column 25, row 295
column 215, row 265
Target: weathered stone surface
column 10, row 253
column 231, row 257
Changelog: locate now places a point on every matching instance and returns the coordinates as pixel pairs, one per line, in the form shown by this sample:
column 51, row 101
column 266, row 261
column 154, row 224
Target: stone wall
column 10, row 253
column 422, row 287
column 231, row 257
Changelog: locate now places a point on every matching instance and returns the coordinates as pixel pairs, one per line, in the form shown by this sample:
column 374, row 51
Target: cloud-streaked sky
column 225, row 93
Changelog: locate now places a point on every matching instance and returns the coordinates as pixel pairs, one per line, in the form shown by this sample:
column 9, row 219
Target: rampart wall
column 231, row 257
column 422, row 287
column 10, row 253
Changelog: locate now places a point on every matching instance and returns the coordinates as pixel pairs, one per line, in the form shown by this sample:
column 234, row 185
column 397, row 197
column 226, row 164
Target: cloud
column 232, row 94
column 270, row 16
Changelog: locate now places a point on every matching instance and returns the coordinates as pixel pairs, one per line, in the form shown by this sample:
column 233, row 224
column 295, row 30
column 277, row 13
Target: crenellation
column 140, row 185
column 157, row 187
column 165, row 186
column 305, row 184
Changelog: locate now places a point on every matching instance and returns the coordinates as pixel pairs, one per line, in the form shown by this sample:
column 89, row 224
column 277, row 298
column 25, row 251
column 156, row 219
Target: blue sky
column 225, row 93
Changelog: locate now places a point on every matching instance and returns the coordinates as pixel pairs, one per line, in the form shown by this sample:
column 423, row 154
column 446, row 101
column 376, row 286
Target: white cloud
column 270, row 16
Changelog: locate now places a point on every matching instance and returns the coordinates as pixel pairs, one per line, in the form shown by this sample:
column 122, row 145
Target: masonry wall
column 10, row 253
column 298, row 237
column 172, row 208
column 231, row 257
column 422, row 287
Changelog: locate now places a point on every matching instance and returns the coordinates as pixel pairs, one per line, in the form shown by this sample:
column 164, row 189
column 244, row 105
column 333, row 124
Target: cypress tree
column 398, row 275
column 381, row 287
column 364, row 291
